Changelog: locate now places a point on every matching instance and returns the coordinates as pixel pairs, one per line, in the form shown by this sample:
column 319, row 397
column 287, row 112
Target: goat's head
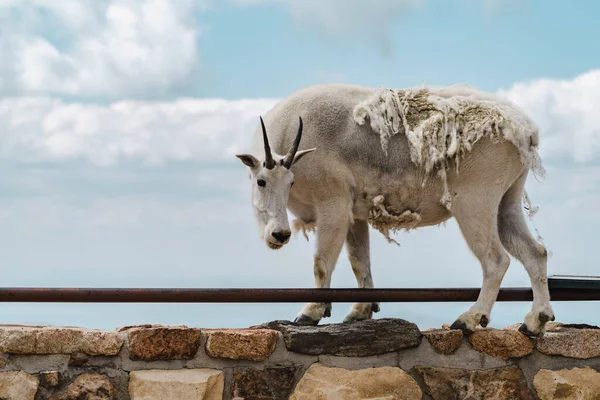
column 272, row 181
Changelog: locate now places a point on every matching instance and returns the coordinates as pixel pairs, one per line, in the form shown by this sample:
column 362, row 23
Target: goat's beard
column 274, row 246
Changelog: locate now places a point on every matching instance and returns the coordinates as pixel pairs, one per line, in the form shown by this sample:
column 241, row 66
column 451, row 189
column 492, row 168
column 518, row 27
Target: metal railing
column 562, row 288
column 192, row 295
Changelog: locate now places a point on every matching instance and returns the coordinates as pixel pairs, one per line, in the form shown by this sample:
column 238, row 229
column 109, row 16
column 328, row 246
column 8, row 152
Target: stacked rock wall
column 385, row 358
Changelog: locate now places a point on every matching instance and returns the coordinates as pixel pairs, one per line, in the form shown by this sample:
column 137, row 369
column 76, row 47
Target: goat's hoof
column 305, row 320
column 545, row 317
column 525, row 330
column 484, row 321
column 327, row 312
column 458, row 324
column 375, row 307
column 534, row 324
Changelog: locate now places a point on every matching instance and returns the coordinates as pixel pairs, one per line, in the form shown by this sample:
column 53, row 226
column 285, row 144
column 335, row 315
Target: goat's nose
column 281, row 236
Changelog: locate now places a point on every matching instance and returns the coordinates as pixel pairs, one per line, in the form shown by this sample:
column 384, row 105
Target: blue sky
column 119, row 120
column 255, row 50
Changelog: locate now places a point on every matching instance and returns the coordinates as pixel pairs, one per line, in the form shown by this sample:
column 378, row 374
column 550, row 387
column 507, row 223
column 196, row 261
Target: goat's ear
column 301, row 154
column 248, row 159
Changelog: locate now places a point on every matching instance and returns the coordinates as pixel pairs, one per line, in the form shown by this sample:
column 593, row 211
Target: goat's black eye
column 261, row 183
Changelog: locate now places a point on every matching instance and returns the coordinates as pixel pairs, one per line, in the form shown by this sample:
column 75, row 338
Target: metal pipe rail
column 194, row 295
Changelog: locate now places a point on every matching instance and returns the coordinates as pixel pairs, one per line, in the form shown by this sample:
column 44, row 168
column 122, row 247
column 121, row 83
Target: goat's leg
column 357, row 245
column 332, row 226
column 477, row 220
column 518, row 241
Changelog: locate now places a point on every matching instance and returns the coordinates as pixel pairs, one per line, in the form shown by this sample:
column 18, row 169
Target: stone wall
column 376, row 359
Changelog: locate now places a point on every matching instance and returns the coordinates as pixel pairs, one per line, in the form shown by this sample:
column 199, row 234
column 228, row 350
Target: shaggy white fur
column 382, row 220
column 299, row 225
column 441, row 124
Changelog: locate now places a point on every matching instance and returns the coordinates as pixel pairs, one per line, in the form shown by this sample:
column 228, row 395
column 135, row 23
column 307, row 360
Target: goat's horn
column 289, row 158
column 269, row 163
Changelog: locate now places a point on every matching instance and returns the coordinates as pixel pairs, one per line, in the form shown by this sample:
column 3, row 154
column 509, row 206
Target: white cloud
column 90, row 47
column 566, row 112
column 346, row 18
column 42, row 129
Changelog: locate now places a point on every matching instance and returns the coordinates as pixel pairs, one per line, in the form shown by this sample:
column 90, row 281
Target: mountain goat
column 400, row 159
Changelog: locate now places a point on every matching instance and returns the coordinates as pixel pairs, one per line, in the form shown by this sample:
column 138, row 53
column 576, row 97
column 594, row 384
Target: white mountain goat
column 400, row 159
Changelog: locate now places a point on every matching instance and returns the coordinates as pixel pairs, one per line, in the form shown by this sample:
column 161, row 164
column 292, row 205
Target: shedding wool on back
column 442, row 124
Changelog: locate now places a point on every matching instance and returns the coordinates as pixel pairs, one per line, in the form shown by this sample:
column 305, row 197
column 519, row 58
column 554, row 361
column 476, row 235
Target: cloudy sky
column 119, row 120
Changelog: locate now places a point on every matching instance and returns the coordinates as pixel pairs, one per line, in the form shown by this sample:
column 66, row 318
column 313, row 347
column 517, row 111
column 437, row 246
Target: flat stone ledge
column 150, row 343
column 576, row 384
column 241, row 344
column 493, row 384
column 320, row 382
column 359, row 339
column 503, row 344
column 18, row 385
column 183, row 384
column 35, row 340
column 444, row 341
column 571, row 340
